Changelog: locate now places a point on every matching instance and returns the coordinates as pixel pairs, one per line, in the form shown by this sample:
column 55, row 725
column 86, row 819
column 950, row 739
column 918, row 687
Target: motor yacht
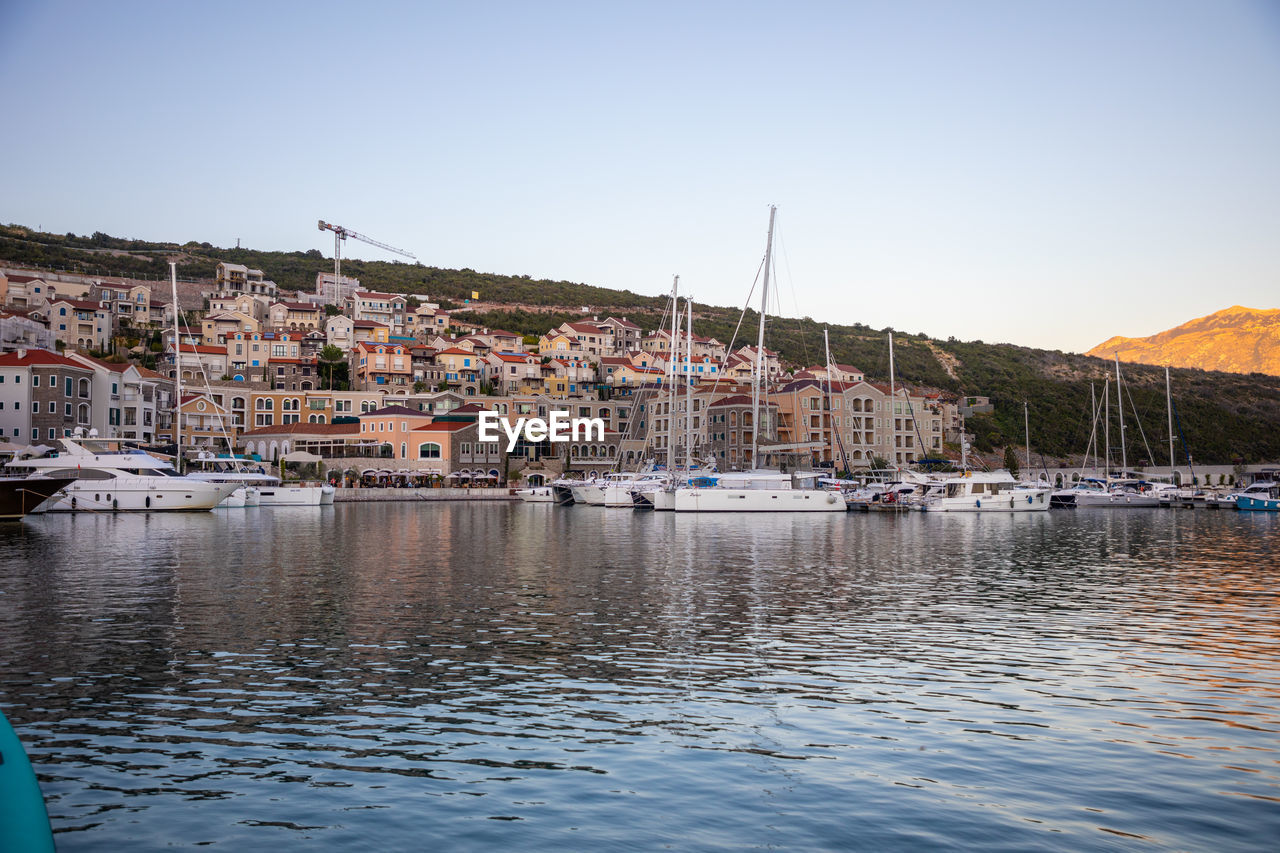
column 107, row 477
column 250, row 476
column 997, row 491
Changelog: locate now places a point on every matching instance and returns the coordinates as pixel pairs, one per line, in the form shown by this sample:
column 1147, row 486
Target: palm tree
column 331, row 355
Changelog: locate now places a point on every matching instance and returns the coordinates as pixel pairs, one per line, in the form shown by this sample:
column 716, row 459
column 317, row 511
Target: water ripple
column 535, row 678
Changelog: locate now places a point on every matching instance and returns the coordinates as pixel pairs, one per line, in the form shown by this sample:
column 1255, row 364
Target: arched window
column 84, row 388
column 82, row 415
column 404, row 450
column 430, row 450
column 237, row 403
column 265, row 404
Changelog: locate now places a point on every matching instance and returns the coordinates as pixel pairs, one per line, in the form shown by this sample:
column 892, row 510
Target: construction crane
column 340, row 234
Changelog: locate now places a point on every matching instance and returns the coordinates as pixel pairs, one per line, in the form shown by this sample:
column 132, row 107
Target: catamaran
column 759, row 490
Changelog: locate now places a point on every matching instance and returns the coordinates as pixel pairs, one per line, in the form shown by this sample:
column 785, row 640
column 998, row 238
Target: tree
column 330, row 355
column 1011, row 460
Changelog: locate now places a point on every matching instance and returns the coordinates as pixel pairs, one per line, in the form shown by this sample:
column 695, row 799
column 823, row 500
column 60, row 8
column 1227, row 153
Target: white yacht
column 756, row 491
column 267, row 489
column 997, row 491
column 1126, row 494
column 587, row 492
column 1080, row 493
column 1259, row 490
column 619, row 488
column 657, row 491
column 108, row 478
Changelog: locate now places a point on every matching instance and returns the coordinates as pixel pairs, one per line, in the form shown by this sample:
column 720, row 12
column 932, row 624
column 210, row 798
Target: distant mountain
column 1235, row 340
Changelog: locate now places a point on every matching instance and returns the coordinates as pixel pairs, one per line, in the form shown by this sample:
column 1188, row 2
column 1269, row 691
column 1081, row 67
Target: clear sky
column 1048, row 174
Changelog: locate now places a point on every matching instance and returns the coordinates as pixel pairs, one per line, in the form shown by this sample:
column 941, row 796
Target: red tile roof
column 79, row 304
column 37, row 357
column 444, row 426
column 395, row 410
column 113, row 366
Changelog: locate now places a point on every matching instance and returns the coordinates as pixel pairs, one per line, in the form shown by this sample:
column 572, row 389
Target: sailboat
column 1126, row 491
column 759, row 490
column 657, row 490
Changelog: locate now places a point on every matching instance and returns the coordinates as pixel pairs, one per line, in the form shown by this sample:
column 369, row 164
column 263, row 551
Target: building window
column 429, row 451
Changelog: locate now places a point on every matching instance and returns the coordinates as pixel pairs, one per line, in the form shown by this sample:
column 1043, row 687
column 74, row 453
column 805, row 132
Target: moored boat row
column 103, row 475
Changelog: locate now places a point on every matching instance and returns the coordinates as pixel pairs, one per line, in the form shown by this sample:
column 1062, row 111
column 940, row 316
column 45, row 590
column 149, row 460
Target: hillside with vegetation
column 1223, row 417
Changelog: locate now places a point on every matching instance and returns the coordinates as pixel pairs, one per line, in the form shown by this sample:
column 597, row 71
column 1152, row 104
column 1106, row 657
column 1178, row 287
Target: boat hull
column 294, row 495
column 590, row 495
column 146, row 494
column 242, row 498
column 757, row 500
column 1007, row 502
column 20, row 496
column 1247, row 503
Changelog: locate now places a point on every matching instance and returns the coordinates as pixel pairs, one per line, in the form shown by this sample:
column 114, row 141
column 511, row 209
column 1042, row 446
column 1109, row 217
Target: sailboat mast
column 831, row 427
column 1093, row 407
column 1168, row 399
column 671, row 374
column 893, row 405
column 688, row 387
column 758, row 385
column 177, row 370
column 1026, row 426
column 1106, row 422
column 1124, row 459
